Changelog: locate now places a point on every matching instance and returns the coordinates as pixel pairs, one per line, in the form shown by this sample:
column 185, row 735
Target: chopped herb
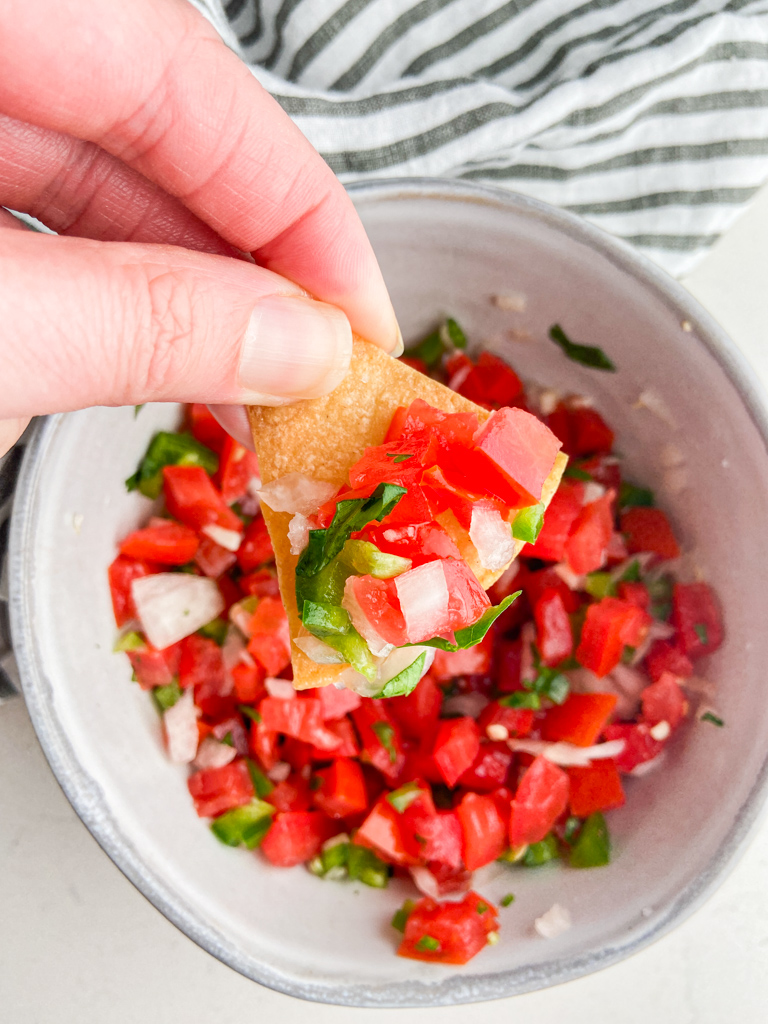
column 527, row 523
column 334, row 858
column 599, row 585
column 576, row 473
column 632, row 573
column 427, row 943
column 244, row 826
column 521, row 699
column 506, row 900
column 215, row 630
column 710, row 716
column 549, row 683
column 592, row 849
column 571, row 828
column 628, row 655
column 401, row 799
column 261, row 783
column 315, row 782
column 131, row 641
column 542, row 852
column 701, row 632
column 137, row 409
column 481, row 908
column 250, row 712
column 351, row 515
column 405, row 682
column 635, row 497
column 363, row 865
column 452, row 333
column 228, row 740
column 430, row 351
column 398, row 458
column 471, row 635
column 660, row 591
column 385, row 734
column 166, row 696
column 587, row 355
column 169, row 450
column 401, row 916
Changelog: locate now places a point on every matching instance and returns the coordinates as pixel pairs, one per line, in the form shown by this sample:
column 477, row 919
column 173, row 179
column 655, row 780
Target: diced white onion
column 296, row 493
column 400, row 658
column 497, row 732
column 554, row 922
column 567, row 754
column 425, row 882
column 654, row 403
column 233, row 650
column 629, row 680
column 279, row 772
column 213, row 754
column 235, row 730
column 548, row 399
column 424, row 598
column 229, row 539
column 172, row 605
column 648, row 766
column 241, row 613
column 593, row 491
column 571, row 579
column 317, row 651
column 282, row 688
column 492, row 537
column 469, row 704
column 298, row 533
column 378, row 646
column 180, row 725
column 513, row 302
column 661, row 731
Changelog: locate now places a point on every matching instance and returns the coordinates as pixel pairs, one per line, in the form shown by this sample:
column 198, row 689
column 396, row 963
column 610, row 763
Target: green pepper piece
column 635, row 497
column 166, row 696
column 365, row 559
column 542, row 852
column 325, row 620
column 167, row 449
column 244, row 826
column 592, row 849
column 261, row 783
column 215, row 630
column 326, row 586
column 599, row 585
column 401, row 799
column 363, row 865
column 131, row 641
column 527, row 523
column 401, row 916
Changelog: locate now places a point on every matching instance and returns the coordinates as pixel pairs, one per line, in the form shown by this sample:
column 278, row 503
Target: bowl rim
column 93, row 810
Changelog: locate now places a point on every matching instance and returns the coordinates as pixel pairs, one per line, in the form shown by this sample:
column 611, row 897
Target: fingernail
column 293, row 348
column 234, row 419
column 399, row 347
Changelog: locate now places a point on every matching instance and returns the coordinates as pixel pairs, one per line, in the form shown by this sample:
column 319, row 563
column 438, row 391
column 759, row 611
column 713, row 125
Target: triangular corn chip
column 323, row 437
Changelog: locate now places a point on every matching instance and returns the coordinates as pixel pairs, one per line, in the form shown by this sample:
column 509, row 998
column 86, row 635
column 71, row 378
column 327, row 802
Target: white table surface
column 79, row 945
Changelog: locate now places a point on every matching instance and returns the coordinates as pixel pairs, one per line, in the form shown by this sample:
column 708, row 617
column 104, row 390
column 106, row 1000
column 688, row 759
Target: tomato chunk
column 596, row 787
column 256, row 547
column 205, row 428
column 153, row 667
column 483, row 828
column 238, row 468
column 610, row 625
column 171, row 544
column 639, row 745
column 553, row 628
column 456, row 746
column 382, row 744
column 664, row 701
column 648, row 529
column 666, row 657
column 297, row 717
column 216, row 790
column 295, row 837
column 341, row 792
column 589, row 433
column 192, row 499
column 541, row 798
column 579, row 719
column 490, row 768
column 448, row 933
column 522, row 447
column 417, row 714
column 379, row 605
column 587, row 546
column 122, row 572
column 270, row 641
column 558, row 520
column 696, row 616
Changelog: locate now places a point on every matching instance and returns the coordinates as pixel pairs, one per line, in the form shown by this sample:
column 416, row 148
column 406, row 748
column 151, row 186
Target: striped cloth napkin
column 648, row 118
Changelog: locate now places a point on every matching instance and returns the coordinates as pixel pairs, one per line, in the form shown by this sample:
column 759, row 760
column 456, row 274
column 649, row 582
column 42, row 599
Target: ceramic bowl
column 445, row 248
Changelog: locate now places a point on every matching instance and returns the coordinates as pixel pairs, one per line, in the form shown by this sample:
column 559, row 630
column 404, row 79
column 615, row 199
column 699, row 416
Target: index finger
column 152, row 84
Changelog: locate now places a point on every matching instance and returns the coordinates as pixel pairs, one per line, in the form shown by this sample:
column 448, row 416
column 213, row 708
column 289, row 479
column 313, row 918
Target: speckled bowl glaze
column 445, row 248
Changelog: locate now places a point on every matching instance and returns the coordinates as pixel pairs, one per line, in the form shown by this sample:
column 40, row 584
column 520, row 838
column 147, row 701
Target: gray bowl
column 445, row 247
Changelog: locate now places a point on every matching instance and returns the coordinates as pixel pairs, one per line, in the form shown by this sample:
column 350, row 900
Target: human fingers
column 108, row 323
column 77, row 188
column 152, row 84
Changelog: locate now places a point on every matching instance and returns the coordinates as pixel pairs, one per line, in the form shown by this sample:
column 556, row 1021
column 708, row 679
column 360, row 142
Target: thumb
column 112, row 323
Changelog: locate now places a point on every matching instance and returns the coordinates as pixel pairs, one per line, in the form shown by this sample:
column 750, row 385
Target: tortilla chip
column 323, row 437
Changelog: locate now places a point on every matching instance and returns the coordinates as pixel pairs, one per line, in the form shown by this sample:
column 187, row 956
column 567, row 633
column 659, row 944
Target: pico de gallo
column 513, row 719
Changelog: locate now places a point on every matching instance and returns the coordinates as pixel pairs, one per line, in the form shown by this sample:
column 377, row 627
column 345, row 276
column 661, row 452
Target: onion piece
column 213, row 754
column 469, row 704
column 180, row 727
column 228, row 539
column 554, row 922
column 399, row 659
column 172, row 605
column 492, row 537
column 298, row 533
column 282, row 688
column 279, row 771
column 317, row 651
column 296, row 493
column 568, row 754
column 424, row 599
column 378, row 646
column 593, row 491
column 571, row 579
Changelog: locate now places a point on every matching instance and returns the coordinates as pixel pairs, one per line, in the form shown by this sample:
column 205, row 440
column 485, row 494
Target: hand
column 205, row 226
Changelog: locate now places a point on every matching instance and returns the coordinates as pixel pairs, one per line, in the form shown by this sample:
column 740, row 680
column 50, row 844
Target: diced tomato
column 415, row 364
column 122, row 572
column 609, row 626
column 348, row 746
column 383, row 832
column 456, row 746
column 554, row 635
column 200, row 662
column 298, row 754
column 663, row 657
column 377, row 464
column 648, row 529
column 490, row 768
column 616, row 551
column 635, row 593
column 589, row 433
column 559, row 422
column 664, row 701
column 230, row 592
column 205, row 428
column 580, row 719
column 213, row 559
column 153, row 667
column 382, row 744
column 558, row 520
column 536, row 583
column 248, row 682
column 237, row 468
column 216, row 790
column 293, row 794
column 473, row 661
column 256, row 547
column 466, row 598
column 417, row 541
column 341, row 792
column 483, row 828
column 299, row 718
column 639, row 745
column 696, row 616
column 541, row 798
column 378, row 602
column 604, row 469
column 444, row 839
column 448, row 933
column 491, row 382
column 260, row 583
column 509, row 655
column 596, row 787
column 295, row 837
column 270, row 641
column 169, row 544
column 417, row 714
column 517, row 721
column 585, row 549
column 335, row 703
column 192, row 499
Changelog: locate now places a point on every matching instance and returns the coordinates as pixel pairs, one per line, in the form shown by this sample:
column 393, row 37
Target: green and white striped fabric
column 649, row 118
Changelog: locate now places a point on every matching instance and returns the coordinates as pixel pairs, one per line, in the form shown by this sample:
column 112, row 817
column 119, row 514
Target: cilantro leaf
column 385, row 734
column 405, row 682
column 471, row 635
column 587, row 355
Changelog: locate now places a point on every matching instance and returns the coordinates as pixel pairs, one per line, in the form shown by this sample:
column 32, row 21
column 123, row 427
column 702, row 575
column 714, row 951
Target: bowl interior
column 442, row 253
